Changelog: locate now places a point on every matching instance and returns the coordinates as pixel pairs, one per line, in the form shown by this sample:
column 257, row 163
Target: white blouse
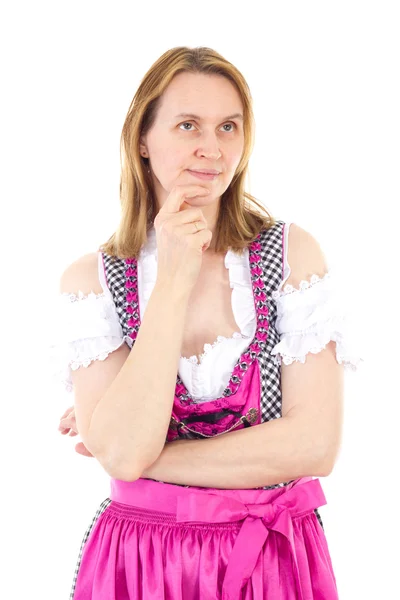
column 88, row 327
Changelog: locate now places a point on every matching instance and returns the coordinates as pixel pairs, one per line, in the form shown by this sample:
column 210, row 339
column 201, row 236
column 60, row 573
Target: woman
column 213, row 444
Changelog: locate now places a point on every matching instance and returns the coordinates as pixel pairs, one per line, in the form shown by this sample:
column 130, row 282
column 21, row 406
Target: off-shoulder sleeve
column 310, row 317
column 86, row 328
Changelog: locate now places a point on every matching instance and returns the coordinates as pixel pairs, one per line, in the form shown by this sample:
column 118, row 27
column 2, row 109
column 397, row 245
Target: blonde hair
column 238, row 222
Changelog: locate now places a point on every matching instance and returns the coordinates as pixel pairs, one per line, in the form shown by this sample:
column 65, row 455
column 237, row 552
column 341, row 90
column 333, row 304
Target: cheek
column 167, row 164
column 234, row 159
column 175, row 158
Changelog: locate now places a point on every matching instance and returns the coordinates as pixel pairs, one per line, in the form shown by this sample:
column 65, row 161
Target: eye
column 186, row 123
column 189, row 123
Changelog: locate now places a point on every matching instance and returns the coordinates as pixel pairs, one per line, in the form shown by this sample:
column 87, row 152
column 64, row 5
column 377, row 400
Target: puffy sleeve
column 86, row 328
column 310, row 317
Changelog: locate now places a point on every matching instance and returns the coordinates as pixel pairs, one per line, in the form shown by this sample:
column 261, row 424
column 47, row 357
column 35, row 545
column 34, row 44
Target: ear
column 143, row 149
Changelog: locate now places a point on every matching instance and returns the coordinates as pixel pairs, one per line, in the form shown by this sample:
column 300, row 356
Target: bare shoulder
column 82, row 275
column 305, row 256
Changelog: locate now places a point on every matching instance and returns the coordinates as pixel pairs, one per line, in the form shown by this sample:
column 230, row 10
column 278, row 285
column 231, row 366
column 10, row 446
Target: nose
column 209, row 146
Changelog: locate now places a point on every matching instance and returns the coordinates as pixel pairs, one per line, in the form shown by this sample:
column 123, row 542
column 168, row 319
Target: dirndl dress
column 154, row 540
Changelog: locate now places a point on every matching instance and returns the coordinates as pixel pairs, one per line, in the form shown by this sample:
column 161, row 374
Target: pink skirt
column 152, row 540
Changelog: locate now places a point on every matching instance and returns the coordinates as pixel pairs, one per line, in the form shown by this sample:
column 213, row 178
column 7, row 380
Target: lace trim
column 105, row 307
column 344, row 357
column 81, row 296
column 304, row 284
column 63, row 360
column 209, row 347
column 75, row 364
column 64, row 377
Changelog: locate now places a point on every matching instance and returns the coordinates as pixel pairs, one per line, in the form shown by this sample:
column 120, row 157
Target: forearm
column 261, row 455
column 129, row 425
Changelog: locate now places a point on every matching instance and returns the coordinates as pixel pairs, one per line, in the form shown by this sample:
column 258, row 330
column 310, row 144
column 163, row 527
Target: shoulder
column 82, row 275
column 305, row 255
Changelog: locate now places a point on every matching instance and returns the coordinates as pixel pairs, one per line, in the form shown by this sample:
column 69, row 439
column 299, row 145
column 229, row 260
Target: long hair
column 241, row 217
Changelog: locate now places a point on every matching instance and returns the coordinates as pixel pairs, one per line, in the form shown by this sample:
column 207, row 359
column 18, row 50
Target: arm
column 304, row 442
column 129, row 424
column 260, row 455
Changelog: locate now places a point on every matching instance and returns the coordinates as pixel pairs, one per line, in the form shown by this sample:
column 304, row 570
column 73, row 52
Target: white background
column 324, row 77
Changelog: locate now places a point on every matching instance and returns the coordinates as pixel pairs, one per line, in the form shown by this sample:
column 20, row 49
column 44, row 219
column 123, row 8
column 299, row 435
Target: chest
column 209, row 311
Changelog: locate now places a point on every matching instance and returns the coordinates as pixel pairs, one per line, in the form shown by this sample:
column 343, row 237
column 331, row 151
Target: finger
column 178, row 195
column 81, row 449
column 67, row 422
column 64, row 427
column 67, row 412
column 192, row 228
column 68, row 427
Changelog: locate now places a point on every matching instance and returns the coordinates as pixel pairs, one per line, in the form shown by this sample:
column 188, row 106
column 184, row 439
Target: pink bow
column 259, row 519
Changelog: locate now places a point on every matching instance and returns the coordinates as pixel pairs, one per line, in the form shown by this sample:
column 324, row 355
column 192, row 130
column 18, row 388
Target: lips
column 204, row 176
column 205, row 171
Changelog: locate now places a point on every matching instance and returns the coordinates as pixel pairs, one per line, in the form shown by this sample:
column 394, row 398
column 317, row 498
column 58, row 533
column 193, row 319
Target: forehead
column 210, row 97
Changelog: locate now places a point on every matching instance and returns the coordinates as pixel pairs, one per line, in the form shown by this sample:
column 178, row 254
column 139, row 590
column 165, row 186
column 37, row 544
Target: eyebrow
column 235, row 116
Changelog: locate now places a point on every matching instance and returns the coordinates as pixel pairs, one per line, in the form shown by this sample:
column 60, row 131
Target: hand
column 182, row 237
column 68, row 426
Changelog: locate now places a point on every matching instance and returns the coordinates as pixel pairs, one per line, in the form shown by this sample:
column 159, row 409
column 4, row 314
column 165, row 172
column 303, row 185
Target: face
column 175, row 144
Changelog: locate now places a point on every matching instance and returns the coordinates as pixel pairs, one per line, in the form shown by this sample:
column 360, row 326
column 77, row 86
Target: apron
column 152, row 539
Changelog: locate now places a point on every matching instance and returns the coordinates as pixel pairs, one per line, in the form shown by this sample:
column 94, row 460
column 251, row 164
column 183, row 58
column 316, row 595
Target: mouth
column 201, row 175
column 207, row 171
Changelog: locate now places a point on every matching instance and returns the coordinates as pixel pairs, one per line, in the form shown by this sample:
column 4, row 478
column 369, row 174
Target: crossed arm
column 304, row 442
